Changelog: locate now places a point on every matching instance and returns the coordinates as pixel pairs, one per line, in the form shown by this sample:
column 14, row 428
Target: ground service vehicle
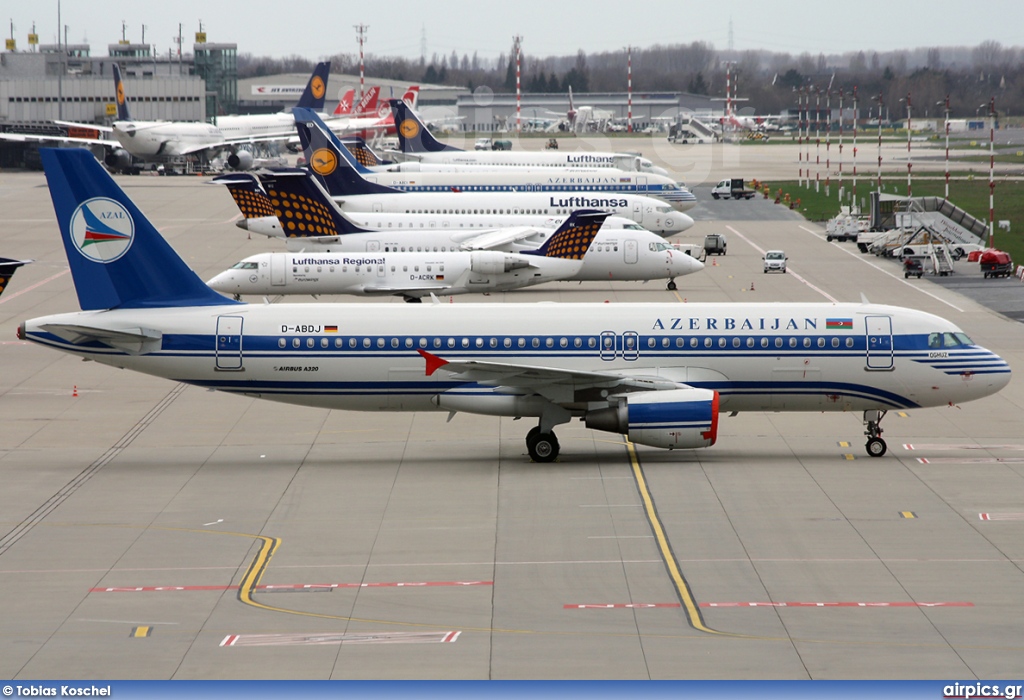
column 775, row 261
column 732, row 188
column 996, row 263
column 714, row 244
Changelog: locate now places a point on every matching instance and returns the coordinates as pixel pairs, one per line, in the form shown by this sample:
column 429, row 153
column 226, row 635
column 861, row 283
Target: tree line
column 770, row 81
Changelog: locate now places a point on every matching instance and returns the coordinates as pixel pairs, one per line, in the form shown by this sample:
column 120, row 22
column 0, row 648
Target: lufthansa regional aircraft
column 553, row 180
column 336, row 169
column 615, row 254
column 416, row 142
column 414, row 274
column 659, row 374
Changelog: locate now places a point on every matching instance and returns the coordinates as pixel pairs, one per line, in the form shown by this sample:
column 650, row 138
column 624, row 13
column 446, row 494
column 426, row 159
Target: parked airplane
column 366, row 126
column 344, row 107
column 584, row 117
column 162, row 141
column 336, row 169
column 416, row 141
column 312, row 130
column 658, row 373
column 413, row 274
column 7, row 270
column 317, row 224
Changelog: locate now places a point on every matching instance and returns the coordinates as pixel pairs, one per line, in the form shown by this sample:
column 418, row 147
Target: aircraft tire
column 876, row 447
column 543, row 447
column 671, row 286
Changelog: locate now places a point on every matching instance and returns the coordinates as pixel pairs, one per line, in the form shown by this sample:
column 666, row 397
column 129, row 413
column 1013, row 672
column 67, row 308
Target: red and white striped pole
column 361, row 33
column 800, row 135
column 828, row 140
column 910, row 162
column 629, row 89
column 947, row 147
column 817, row 139
column 728, row 91
column 879, row 143
column 855, row 115
column 519, row 94
column 992, row 174
column 840, row 192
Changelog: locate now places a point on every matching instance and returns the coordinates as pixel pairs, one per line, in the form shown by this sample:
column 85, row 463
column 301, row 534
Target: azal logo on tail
column 102, row 229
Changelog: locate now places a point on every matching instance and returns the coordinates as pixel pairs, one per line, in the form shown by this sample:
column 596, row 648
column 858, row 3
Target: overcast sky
column 397, row 27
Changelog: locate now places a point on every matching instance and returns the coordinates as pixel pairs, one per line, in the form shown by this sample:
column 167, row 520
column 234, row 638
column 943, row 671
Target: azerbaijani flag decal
column 839, row 324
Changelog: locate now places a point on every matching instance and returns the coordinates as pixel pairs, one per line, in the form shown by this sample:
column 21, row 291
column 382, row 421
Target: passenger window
column 549, row 343
column 324, row 342
column 394, row 342
column 735, row 342
column 835, row 342
column 351, row 342
column 577, row 342
column 295, row 342
column 778, row 342
column 465, row 342
column 721, row 342
column 380, row 343
column 535, row 342
column 821, row 342
column 849, row 342
column 493, row 342
column 750, row 342
column 591, row 343
column 563, row 343
column 366, row 343
column 281, row 342
column 707, row 342
column 521, row 342
column 423, row 342
column 764, row 342
column 451, row 342
column 479, row 342
column 507, row 342
column 693, row 342
column 679, row 342
column 651, row 342
column 792, row 342
column 309, row 342
column 807, row 342
column 665, row 342
column 408, row 342
column 437, row 342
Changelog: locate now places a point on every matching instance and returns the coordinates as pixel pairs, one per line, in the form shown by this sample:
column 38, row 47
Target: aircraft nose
column 683, row 264
column 680, row 222
column 219, row 282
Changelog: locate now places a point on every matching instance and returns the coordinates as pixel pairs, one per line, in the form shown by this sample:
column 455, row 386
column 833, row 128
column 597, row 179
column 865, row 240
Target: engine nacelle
column 240, row 160
column 118, row 159
column 489, row 262
column 677, row 418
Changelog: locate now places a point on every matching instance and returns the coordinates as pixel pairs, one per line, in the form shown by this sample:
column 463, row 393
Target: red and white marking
column 970, row 460
column 1001, row 516
column 962, row 446
column 609, row 606
column 290, row 586
column 841, row 604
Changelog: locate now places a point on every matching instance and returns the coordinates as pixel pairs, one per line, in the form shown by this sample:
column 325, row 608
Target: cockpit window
column 948, row 340
column 245, row 266
column 633, row 227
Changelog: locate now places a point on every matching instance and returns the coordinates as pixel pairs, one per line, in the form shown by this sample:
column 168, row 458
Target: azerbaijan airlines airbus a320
column 659, row 374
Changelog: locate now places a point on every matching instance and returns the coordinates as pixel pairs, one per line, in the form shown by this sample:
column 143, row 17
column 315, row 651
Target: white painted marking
column 789, row 270
column 8, row 297
column 215, row 522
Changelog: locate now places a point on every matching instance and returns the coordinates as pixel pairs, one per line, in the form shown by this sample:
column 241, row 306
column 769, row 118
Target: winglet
column 434, row 362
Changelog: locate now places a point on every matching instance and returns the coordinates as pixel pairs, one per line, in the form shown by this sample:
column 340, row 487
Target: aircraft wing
column 553, row 383
column 136, row 341
column 411, row 289
column 26, row 138
column 498, row 237
column 79, row 125
column 238, row 141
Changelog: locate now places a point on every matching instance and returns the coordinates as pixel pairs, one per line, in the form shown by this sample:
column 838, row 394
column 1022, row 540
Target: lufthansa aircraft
column 414, row 274
column 416, row 142
column 551, row 180
column 658, row 373
column 341, row 175
column 312, row 222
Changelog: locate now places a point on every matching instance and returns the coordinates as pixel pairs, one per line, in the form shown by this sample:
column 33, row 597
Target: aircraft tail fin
column 7, row 270
column 573, row 238
column 316, row 89
column 344, row 107
column 250, row 197
column 118, row 259
column 412, row 96
column 119, row 95
column 413, row 134
column 367, row 106
column 336, row 168
column 362, row 152
column 310, row 211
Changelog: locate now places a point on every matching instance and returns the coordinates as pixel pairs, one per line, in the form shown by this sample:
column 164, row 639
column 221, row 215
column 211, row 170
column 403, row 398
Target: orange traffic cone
column 75, row 392
column 751, row 286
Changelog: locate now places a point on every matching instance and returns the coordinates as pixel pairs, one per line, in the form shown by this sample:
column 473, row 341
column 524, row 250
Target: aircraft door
column 638, row 212
column 879, row 342
column 229, row 343
column 629, row 251
column 608, row 345
column 372, row 246
column 278, row 269
column 630, row 345
column 641, row 183
column 378, row 207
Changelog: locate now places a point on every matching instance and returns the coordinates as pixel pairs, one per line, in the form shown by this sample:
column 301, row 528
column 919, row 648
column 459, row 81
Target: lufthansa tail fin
column 249, row 195
column 306, row 208
column 573, row 238
column 413, row 135
column 7, row 269
column 118, row 259
column 338, row 171
column 362, row 152
column 316, row 89
column 119, row 96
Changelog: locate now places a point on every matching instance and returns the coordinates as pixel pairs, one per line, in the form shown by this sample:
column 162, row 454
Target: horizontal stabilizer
column 136, row 341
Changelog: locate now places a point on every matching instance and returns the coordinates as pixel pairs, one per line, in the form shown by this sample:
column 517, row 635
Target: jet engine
column 489, row 262
column 240, row 160
column 118, row 159
column 676, row 418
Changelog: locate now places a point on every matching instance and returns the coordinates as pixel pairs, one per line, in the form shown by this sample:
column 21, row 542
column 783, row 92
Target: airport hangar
column 154, row 530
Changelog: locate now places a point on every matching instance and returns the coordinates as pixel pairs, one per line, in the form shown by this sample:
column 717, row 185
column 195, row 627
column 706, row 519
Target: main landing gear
column 875, row 446
column 543, row 447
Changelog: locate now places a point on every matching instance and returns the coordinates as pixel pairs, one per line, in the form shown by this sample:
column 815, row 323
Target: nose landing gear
column 875, row 446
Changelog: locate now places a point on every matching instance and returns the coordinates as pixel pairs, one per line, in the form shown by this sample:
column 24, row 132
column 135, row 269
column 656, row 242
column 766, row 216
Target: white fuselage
column 147, row 140
column 409, row 274
column 238, row 126
column 784, row 357
column 487, row 210
column 545, row 159
column 615, row 254
column 555, row 182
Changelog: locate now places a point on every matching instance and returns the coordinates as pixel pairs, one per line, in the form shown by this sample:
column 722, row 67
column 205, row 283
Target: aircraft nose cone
column 681, row 222
column 683, row 264
column 219, row 282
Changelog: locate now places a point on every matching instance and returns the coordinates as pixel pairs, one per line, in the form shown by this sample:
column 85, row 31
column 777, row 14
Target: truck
column 732, row 188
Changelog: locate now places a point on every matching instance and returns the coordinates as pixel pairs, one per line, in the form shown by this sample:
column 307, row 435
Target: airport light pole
column 991, row 172
column 855, row 115
column 910, row 163
column 800, row 135
column 361, row 33
column 629, row 89
column 828, row 140
column 946, row 105
column 840, row 145
column 879, row 143
column 817, row 140
column 518, row 40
